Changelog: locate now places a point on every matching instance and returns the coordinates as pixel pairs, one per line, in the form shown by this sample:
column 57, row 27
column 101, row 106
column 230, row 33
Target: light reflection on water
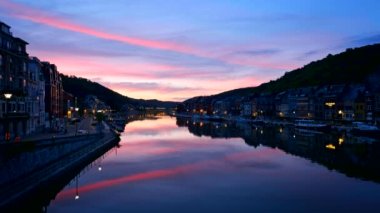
column 176, row 165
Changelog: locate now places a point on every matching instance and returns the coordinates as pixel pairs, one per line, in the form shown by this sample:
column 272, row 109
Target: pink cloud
column 37, row 16
column 20, row 11
column 96, row 66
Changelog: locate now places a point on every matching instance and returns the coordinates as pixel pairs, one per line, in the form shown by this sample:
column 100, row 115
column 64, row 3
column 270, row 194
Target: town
column 33, row 100
column 342, row 102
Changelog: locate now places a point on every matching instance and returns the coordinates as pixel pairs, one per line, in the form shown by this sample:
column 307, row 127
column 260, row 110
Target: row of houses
column 357, row 102
column 32, row 98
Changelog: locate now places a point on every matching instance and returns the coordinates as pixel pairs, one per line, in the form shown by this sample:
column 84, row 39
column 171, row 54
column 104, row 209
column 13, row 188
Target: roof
column 20, row 40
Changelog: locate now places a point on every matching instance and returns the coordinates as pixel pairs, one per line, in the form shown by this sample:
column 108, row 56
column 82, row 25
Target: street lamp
column 8, row 96
column 7, row 133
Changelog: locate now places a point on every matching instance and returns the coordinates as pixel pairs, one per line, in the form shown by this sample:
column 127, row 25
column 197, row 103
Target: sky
column 176, row 49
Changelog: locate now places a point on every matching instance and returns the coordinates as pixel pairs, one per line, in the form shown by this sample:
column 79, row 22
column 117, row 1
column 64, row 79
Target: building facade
column 13, row 84
column 35, row 102
column 53, row 95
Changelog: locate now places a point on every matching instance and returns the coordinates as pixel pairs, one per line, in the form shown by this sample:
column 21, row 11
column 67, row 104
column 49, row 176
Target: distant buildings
column 329, row 102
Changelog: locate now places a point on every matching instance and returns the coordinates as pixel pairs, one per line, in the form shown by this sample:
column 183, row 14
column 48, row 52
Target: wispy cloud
column 150, row 86
column 258, row 52
column 41, row 17
column 365, row 39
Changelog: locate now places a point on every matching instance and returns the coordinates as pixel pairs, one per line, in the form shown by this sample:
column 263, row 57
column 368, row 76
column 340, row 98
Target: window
column 5, row 29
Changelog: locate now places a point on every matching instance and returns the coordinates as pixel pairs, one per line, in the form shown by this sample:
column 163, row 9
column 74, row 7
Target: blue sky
column 173, row 50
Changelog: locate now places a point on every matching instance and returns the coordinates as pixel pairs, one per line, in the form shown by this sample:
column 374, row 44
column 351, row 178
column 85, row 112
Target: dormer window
column 5, row 29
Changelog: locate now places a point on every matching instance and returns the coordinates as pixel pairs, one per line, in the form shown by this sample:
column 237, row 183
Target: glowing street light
column 8, row 95
column 7, row 130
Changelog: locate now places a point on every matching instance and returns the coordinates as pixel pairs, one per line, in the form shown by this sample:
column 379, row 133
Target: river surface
column 180, row 165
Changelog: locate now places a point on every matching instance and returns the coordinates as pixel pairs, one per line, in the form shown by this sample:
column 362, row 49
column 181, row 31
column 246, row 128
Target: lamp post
column 76, row 121
column 7, row 131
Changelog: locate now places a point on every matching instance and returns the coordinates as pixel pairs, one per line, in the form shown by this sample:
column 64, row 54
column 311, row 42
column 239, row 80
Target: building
column 35, row 101
column 53, row 95
column 264, row 105
column 330, row 97
column 68, row 104
column 282, row 105
column 247, row 107
column 13, row 84
column 305, row 107
column 352, row 108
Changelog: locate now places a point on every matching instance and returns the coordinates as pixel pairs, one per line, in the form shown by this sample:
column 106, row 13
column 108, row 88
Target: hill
column 359, row 65
column 81, row 87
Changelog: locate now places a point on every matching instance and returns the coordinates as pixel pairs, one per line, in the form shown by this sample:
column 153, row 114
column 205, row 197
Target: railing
column 70, row 157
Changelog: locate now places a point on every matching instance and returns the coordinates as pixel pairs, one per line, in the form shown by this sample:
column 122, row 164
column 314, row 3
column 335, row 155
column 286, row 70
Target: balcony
column 15, row 115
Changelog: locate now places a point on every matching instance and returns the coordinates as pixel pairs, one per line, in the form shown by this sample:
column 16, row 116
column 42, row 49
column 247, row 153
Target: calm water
column 170, row 165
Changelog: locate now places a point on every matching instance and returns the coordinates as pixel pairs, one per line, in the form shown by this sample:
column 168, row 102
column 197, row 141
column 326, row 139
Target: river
column 178, row 165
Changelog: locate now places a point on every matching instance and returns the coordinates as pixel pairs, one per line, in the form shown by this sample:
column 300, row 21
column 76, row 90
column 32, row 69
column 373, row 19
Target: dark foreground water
column 178, row 165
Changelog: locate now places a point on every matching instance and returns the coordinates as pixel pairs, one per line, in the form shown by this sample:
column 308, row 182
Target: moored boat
column 312, row 125
column 363, row 129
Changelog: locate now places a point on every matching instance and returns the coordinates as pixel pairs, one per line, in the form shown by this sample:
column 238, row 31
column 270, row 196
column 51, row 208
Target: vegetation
column 81, row 87
column 359, row 65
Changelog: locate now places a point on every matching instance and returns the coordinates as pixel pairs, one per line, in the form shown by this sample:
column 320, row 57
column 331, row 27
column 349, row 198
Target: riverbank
column 351, row 127
column 51, row 161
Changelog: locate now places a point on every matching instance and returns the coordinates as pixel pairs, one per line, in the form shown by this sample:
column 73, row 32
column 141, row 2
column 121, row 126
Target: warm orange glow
column 330, row 104
column 341, row 141
column 330, row 146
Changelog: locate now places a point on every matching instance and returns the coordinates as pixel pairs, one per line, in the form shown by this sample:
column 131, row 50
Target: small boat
column 312, row 125
column 216, row 118
column 363, row 129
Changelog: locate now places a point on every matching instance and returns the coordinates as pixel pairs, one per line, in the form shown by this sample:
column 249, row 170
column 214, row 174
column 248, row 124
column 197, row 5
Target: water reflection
column 355, row 157
column 170, row 165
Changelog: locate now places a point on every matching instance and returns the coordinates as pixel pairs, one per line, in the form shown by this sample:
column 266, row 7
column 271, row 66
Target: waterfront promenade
column 43, row 160
column 84, row 126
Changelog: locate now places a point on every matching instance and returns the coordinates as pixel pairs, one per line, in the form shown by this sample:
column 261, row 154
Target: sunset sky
column 176, row 49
